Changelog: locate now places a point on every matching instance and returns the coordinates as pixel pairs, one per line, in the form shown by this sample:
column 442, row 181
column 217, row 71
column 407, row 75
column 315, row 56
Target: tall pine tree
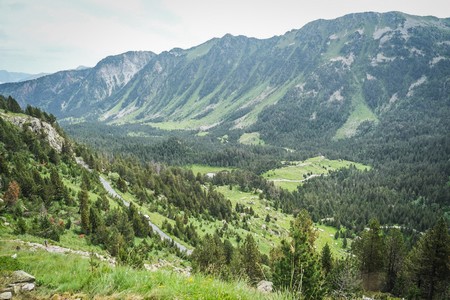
column 295, row 265
column 83, row 198
column 430, row 262
column 369, row 250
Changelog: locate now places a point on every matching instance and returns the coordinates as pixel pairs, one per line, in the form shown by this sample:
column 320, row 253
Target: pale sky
column 51, row 35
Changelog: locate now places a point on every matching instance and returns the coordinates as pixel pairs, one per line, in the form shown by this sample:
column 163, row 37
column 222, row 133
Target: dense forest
column 45, row 193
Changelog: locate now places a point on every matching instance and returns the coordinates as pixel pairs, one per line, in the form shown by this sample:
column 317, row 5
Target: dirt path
column 292, row 180
column 62, row 250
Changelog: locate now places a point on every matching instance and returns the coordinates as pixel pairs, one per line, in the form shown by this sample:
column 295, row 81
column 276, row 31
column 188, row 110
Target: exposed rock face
column 19, row 282
column 38, row 126
column 21, row 277
column 5, row 296
column 265, row 286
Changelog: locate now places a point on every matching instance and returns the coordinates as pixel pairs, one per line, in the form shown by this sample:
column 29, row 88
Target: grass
column 325, row 234
column 360, row 113
column 266, row 237
column 204, row 169
column 252, row 138
column 67, row 273
column 296, row 172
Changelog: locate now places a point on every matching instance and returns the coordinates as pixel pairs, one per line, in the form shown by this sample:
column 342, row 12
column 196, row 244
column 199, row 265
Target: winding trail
column 155, row 228
column 114, row 194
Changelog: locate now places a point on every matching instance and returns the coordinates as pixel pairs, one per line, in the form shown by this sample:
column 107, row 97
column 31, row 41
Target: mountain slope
column 327, row 78
column 73, row 93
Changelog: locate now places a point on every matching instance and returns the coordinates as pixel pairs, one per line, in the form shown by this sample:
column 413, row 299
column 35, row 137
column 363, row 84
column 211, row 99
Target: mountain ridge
column 338, row 70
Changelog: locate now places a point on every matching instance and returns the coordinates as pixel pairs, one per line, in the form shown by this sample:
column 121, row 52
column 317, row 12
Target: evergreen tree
column 13, row 106
column 251, row 260
column 209, row 256
column 58, row 188
column 95, row 220
column 122, row 185
column 12, row 193
column 83, row 198
column 369, row 250
column 295, row 265
column 395, row 255
column 431, row 262
column 344, row 280
column 326, row 259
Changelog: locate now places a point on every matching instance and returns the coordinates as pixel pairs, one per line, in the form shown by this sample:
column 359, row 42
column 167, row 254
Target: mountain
column 331, row 78
column 6, row 76
column 73, row 93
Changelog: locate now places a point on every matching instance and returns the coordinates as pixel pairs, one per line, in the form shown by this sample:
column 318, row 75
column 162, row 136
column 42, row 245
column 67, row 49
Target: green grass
column 202, row 133
column 199, row 50
column 252, row 138
column 325, row 234
column 280, row 222
column 204, row 169
column 360, row 112
column 267, row 236
column 58, row 273
column 296, row 172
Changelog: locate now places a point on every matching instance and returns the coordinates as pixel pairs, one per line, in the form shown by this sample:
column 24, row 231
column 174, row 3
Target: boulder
column 6, row 296
column 21, row 276
column 265, row 286
column 27, row 287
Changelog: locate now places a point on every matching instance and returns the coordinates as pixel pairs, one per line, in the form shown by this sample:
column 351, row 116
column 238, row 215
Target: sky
column 53, row 35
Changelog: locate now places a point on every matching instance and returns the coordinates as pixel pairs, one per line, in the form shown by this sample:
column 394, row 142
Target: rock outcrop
column 265, row 286
column 37, row 126
column 18, row 282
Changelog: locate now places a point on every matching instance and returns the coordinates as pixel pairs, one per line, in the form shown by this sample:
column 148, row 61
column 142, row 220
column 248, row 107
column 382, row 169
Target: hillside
column 61, row 204
column 73, row 93
column 318, row 160
column 331, row 79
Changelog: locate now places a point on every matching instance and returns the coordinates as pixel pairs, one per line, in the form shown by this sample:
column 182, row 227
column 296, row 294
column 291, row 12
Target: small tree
column 327, row 260
column 12, row 193
column 83, row 198
column 295, row 265
column 251, row 260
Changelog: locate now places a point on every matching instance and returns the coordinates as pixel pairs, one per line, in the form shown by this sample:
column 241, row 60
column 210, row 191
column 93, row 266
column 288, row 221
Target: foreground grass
column 64, row 273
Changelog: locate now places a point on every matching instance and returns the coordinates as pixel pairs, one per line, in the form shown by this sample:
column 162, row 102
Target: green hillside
column 295, row 173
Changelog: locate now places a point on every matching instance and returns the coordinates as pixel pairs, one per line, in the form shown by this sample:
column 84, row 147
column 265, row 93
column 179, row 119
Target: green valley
column 309, row 165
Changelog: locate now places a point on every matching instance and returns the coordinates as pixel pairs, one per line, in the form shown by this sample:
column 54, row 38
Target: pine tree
column 58, row 188
column 431, row 262
column 395, row 254
column 295, row 265
column 369, row 251
column 12, row 193
column 327, row 260
column 251, row 260
column 13, row 106
column 83, row 198
column 209, row 256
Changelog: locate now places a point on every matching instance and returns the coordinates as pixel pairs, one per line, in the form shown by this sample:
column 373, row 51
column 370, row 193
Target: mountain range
column 6, row 76
column 334, row 77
